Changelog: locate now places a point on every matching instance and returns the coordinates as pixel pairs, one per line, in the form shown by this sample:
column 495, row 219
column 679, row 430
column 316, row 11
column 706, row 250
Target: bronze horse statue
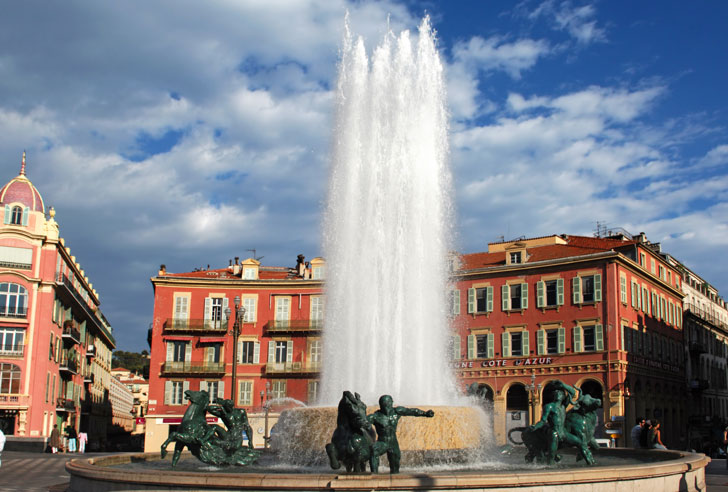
column 353, row 440
column 194, row 431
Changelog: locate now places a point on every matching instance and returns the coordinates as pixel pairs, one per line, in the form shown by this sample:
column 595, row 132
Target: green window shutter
column 624, row 329
column 505, row 298
column 456, row 301
column 221, row 390
column 560, row 292
column 188, row 351
column 225, row 304
column 540, row 289
column 489, row 299
column 576, row 286
column 491, row 345
column 599, row 336
column 289, row 351
column 185, row 387
column 204, row 386
column 540, row 342
column 208, row 308
column 597, row 287
column 256, row 353
column 526, row 346
column 8, row 214
column 577, row 339
column 26, row 213
column 170, row 351
column 506, row 344
column 524, row 296
column 456, row 347
column 471, row 301
column 471, row 346
column 271, row 352
column 562, row 340
column 623, row 289
column 167, row 392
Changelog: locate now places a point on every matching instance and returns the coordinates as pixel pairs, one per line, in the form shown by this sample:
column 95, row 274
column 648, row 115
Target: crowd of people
column 71, row 441
column 646, row 434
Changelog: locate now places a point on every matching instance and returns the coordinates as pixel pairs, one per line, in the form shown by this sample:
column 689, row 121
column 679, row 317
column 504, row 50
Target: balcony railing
column 292, row 368
column 65, row 405
column 90, row 351
column 16, row 350
column 70, row 366
column 89, row 378
column 193, row 368
column 202, row 325
column 296, row 325
column 14, row 312
column 71, row 334
column 705, row 315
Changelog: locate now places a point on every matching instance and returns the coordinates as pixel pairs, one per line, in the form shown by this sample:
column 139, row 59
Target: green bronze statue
column 211, row 444
column 353, row 439
column 385, row 421
column 558, row 428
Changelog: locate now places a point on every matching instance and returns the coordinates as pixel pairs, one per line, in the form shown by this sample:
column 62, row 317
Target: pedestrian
column 82, row 439
column 2, row 445
column 655, row 439
column 636, row 431
column 645, row 435
column 71, row 434
column 55, row 439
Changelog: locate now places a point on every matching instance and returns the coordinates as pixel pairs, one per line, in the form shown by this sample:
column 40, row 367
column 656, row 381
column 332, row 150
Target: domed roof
column 20, row 189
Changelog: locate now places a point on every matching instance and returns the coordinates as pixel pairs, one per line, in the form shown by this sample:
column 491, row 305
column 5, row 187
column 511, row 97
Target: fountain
column 386, row 233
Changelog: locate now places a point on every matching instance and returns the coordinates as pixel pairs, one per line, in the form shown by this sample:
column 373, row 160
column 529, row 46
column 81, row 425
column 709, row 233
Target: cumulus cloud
column 577, row 20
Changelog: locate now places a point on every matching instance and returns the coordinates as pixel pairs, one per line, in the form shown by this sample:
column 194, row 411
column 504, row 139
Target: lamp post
column 533, row 391
column 266, row 407
column 239, row 316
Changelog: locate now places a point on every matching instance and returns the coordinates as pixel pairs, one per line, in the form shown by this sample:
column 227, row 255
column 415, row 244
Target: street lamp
column 533, row 391
column 239, row 320
column 266, row 407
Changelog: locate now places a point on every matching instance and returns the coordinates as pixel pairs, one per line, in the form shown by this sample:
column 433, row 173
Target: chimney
column 230, row 265
column 236, row 268
column 641, row 237
column 300, row 265
column 162, row 270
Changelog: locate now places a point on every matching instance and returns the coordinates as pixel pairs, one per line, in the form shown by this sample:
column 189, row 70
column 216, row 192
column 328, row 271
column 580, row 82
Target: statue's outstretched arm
column 413, row 412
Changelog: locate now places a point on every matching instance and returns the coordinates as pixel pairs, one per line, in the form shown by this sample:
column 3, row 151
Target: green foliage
column 134, row 361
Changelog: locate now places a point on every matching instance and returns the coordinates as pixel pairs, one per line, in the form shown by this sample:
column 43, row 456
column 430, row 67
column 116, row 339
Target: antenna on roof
column 256, row 258
column 601, row 230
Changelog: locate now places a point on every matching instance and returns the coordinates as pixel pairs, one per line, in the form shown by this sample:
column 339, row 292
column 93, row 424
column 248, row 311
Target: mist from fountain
column 387, row 225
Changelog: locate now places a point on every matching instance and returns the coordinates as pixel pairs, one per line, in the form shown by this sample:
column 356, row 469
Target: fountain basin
column 641, row 470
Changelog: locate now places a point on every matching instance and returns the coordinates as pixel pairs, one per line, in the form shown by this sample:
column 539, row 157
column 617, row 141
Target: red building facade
column 192, row 336
column 602, row 314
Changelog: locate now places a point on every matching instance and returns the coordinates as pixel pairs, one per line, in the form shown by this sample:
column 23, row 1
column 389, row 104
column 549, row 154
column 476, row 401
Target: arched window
column 13, row 300
column 17, row 217
column 9, row 378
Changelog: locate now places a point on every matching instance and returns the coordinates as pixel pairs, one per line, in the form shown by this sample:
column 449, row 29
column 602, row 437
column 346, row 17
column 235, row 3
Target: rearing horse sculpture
column 353, row 439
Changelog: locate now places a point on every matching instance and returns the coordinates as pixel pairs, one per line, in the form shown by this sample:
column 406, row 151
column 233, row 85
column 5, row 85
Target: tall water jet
column 387, row 225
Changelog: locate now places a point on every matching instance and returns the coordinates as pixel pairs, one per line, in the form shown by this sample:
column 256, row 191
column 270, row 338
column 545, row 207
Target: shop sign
column 178, row 420
column 141, row 420
column 528, row 361
column 654, row 363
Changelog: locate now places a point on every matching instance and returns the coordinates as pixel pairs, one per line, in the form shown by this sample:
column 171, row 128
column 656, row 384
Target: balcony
column 10, row 350
column 699, row 384
column 176, row 325
column 705, row 315
column 71, row 334
column 292, row 368
column 69, row 367
column 14, row 312
column 190, row 368
column 89, row 378
column 65, row 405
column 697, row 348
column 90, row 351
column 294, row 326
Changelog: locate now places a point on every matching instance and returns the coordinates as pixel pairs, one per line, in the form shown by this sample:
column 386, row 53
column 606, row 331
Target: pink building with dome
column 55, row 344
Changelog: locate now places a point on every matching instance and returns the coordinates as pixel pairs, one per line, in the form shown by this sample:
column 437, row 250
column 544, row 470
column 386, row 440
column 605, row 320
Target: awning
column 177, row 338
column 212, row 339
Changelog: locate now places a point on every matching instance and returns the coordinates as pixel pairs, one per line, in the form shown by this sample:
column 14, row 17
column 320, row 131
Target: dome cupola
column 21, row 192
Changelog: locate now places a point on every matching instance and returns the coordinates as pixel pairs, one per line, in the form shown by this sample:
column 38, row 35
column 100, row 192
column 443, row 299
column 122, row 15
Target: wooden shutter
column 225, row 304
column 188, row 351
column 168, row 392
column 525, row 344
column 471, row 346
column 26, row 213
column 170, row 351
column 256, row 353
column 577, row 339
column 221, row 390
column 205, row 386
column 599, row 337
column 489, row 299
column 524, row 296
column 506, row 344
column 540, row 294
column 490, row 343
column 185, row 387
column 541, row 342
column 271, row 352
column 562, row 340
column 208, row 308
column 576, row 289
column 505, row 298
column 289, row 351
column 471, row 301
column 597, row 287
column 623, row 289
column 456, row 347
column 560, row 292
column 455, row 301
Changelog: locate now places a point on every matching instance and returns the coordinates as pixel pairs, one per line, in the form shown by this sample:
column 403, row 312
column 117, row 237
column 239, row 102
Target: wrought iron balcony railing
column 202, row 325
column 68, row 365
column 292, row 368
column 14, row 312
column 705, row 315
column 296, row 325
column 71, row 333
column 65, row 405
column 193, row 368
column 10, row 350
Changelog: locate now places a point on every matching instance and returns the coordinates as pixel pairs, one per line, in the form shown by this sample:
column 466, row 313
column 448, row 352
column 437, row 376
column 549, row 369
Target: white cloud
column 577, row 21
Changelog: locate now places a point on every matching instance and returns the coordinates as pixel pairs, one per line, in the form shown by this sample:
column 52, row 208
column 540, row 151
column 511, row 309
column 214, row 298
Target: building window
column 517, row 347
column 245, row 393
column 588, row 338
column 587, row 288
column 313, row 387
column 455, row 302
column 550, row 293
column 215, row 389
column 455, row 347
column 481, row 346
column 514, row 297
column 279, row 389
column 17, row 217
column 181, row 311
column 177, row 351
column 515, row 343
column 249, row 352
column 645, row 300
column 249, row 273
column 643, row 260
column 480, row 300
column 314, row 353
column 13, row 300
column 283, row 308
column 213, row 353
column 176, row 391
column 623, row 289
column 281, row 351
column 516, row 257
column 317, row 273
column 317, row 309
column 216, row 314
column 9, row 378
column 552, row 341
column 636, row 296
column 249, row 304
column 11, row 340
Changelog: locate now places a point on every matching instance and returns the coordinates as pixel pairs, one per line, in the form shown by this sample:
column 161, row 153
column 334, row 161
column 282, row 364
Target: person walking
column 655, row 439
column 2, row 445
column 55, row 439
column 725, row 445
column 82, row 440
column 71, row 434
column 636, row 431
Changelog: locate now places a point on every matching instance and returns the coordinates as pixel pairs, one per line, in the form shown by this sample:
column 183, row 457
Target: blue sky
column 186, row 133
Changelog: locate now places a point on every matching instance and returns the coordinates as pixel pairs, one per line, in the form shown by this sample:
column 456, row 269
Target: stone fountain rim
column 97, row 470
